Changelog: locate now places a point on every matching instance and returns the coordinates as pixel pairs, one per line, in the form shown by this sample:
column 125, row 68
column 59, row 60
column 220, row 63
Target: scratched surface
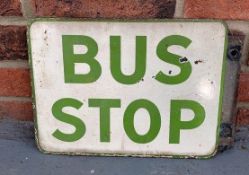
column 205, row 54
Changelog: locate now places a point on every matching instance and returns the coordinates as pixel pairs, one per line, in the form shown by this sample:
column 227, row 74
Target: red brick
column 13, row 42
column 19, row 110
column 242, row 117
column 219, row 9
column 10, row 8
column 105, row 8
column 15, row 82
column 243, row 90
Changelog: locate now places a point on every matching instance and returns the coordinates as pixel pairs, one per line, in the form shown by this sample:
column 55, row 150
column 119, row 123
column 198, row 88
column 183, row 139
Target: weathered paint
column 205, row 54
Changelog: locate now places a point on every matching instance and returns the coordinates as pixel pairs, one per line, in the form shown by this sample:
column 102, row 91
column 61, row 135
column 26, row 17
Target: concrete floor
column 19, row 156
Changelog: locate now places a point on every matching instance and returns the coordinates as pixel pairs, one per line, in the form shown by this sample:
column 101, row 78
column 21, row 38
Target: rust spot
column 45, row 31
column 198, row 61
column 45, row 39
column 183, row 60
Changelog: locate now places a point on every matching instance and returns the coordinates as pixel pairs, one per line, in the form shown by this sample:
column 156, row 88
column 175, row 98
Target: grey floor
column 19, row 156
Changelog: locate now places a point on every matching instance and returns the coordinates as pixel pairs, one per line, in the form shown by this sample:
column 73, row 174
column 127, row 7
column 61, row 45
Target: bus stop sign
column 129, row 88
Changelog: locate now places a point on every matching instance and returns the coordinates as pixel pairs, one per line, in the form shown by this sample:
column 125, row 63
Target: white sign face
column 127, row 88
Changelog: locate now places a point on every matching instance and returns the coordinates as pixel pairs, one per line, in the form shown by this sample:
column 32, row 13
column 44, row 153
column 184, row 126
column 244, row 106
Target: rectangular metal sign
column 151, row 88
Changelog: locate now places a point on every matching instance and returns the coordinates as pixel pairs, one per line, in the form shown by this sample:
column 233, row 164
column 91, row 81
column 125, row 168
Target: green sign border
column 30, row 22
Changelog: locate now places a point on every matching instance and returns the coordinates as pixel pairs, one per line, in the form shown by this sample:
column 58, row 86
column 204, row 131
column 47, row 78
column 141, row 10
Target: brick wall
column 15, row 88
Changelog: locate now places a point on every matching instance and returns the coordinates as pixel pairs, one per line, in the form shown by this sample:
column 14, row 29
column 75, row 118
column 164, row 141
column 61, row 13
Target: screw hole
column 234, row 53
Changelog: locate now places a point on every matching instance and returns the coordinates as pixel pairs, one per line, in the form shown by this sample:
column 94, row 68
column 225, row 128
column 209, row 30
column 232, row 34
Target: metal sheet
column 166, row 104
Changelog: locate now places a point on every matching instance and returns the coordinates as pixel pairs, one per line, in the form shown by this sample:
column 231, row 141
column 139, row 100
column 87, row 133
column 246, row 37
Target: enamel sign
column 149, row 88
